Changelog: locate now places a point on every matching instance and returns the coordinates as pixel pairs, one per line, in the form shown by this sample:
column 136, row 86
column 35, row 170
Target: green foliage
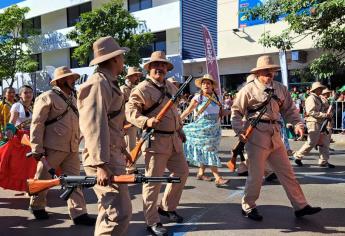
column 321, row 20
column 13, row 58
column 112, row 19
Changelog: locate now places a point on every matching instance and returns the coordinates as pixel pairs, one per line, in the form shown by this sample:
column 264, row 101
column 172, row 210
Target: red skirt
column 15, row 167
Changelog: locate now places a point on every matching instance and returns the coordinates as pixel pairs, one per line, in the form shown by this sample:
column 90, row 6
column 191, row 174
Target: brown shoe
column 221, row 182
column 203, row 177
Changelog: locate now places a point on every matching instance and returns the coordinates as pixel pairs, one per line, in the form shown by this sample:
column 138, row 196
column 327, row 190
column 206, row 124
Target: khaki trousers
column 279, row 162
column 155, row 165
column 243, row 167
column 70, row 165
column 114, row 205
column 313, row 139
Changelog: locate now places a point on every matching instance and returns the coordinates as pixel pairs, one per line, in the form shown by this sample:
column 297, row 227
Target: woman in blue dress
column 204, row 134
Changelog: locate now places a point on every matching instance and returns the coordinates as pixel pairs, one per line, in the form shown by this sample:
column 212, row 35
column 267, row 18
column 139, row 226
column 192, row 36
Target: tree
column 110, row 20
column 321, row 20
column 13, row 57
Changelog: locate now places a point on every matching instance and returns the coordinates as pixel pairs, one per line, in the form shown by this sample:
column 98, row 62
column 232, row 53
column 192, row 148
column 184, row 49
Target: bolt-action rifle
column 323, row 128
column 149, row 131
column 239, row 147
column 70, row 183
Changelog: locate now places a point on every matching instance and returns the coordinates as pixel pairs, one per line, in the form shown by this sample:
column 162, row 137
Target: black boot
column 84, row 219
column 40, row 214
column 307, row 210
column 298, row 162
column 253, row 215
column 157, row 230
column 328, row 165
column 172, row 215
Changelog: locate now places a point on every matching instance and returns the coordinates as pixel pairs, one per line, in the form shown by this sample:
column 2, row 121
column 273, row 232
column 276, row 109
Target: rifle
column 149, row 131
column 239, row 147
column 70, row 183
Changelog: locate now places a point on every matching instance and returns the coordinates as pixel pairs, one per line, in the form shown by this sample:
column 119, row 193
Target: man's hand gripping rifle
column 149, row 131
column 239, row 147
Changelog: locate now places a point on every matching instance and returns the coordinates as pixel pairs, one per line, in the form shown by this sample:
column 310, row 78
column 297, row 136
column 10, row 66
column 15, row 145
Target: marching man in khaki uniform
column 265, row 143
column 316, row 112
column 132, row 79
column 54, row 133
column 102, row 112
column 164, row 150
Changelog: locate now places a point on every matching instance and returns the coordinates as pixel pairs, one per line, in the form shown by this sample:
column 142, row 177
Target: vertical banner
column 211, row 59
column 284, row 67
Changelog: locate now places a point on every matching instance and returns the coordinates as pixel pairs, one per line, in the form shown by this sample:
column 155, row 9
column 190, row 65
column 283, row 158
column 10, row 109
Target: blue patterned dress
column 203, row 136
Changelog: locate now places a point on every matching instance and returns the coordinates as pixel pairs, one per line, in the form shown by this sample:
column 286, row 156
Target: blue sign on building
column 243, row 6
column 6, row 3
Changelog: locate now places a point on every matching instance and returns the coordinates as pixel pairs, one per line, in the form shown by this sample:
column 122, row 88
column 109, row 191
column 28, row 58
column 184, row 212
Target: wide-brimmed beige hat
column 106, row 48
column 173, row 80
column 205, row 77
column 326, row 90
column 263, row 63
column 62, row 72
column 158, row 56
column 317, row 85
column 133, row 71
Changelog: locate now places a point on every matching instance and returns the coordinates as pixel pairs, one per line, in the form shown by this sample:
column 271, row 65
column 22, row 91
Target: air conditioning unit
column 299, row 56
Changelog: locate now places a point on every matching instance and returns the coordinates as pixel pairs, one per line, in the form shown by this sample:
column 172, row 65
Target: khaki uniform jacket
column 315, row 110
column 98, row 97
column 143, row 97
column 63, row 135
column 251, row 96
column 126, row 90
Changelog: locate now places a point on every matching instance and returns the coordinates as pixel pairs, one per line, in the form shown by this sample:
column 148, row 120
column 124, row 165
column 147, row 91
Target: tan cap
column 317, row 85
column 160, row 57
column 209, row 77
column 265, row 62
column 133, row 71
column 106, row 48
column 62, row 72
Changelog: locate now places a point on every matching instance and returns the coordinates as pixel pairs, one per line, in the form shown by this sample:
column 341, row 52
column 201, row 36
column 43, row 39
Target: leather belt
column 163, row 132
column 270, row 121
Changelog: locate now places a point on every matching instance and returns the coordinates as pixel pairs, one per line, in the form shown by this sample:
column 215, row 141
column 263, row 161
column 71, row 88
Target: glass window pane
column 133, row 5
column 160, row 46
column 86, row 7
column 72, row 16
column 145, row 4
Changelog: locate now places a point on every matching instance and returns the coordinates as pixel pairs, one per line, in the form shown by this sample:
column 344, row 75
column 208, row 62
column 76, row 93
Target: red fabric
column 15, row 167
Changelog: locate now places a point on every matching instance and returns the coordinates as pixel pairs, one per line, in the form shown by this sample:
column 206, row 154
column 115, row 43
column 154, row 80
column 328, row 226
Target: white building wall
column 54, row 21
column 56, row 58
column 173, row 41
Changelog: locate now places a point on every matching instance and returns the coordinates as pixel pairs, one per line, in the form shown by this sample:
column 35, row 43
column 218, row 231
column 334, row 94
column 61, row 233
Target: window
column 33, row 24
column 38, row 59
column 137, row 5
column 74, row 62
column 159, row 44
column 73, row 13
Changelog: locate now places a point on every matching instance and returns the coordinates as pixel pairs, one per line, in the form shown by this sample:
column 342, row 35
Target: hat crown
column 132, row 70
column 104, row 46
column 60, row 71
column 316, row 85
column 158, row 55
column 264, row 61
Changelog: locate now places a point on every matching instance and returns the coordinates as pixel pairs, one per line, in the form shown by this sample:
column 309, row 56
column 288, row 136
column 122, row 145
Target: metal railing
column 339, row 116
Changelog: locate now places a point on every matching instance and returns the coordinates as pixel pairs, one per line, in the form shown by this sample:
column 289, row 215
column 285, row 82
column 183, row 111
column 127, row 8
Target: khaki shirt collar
column 107, row 74
column 156, row 82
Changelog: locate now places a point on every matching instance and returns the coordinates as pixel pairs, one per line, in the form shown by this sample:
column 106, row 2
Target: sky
column 6, row 3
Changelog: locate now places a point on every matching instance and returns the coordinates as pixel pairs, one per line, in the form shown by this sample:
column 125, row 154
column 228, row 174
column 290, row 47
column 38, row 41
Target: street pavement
column 208, row 210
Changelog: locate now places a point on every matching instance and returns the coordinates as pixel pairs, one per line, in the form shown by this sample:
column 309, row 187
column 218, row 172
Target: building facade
column 177, row 28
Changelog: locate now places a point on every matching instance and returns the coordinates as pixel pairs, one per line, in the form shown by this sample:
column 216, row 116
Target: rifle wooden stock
column 35, row 186
column 238, row 148
column 25, row 140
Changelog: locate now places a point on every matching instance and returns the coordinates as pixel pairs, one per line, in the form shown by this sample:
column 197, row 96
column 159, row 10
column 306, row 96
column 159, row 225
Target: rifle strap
column 164, row 93
column 274, row 96
column 70, row 105
column 208, row 102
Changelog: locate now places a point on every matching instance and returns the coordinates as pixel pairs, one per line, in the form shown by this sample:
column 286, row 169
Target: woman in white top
column 204, row 134
column 15, row 168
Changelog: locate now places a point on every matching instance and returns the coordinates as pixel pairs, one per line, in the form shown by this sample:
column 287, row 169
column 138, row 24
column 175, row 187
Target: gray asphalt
column 208, row 210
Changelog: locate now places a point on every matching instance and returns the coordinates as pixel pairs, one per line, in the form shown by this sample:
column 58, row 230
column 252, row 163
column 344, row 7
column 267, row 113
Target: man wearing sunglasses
column 265, row 143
